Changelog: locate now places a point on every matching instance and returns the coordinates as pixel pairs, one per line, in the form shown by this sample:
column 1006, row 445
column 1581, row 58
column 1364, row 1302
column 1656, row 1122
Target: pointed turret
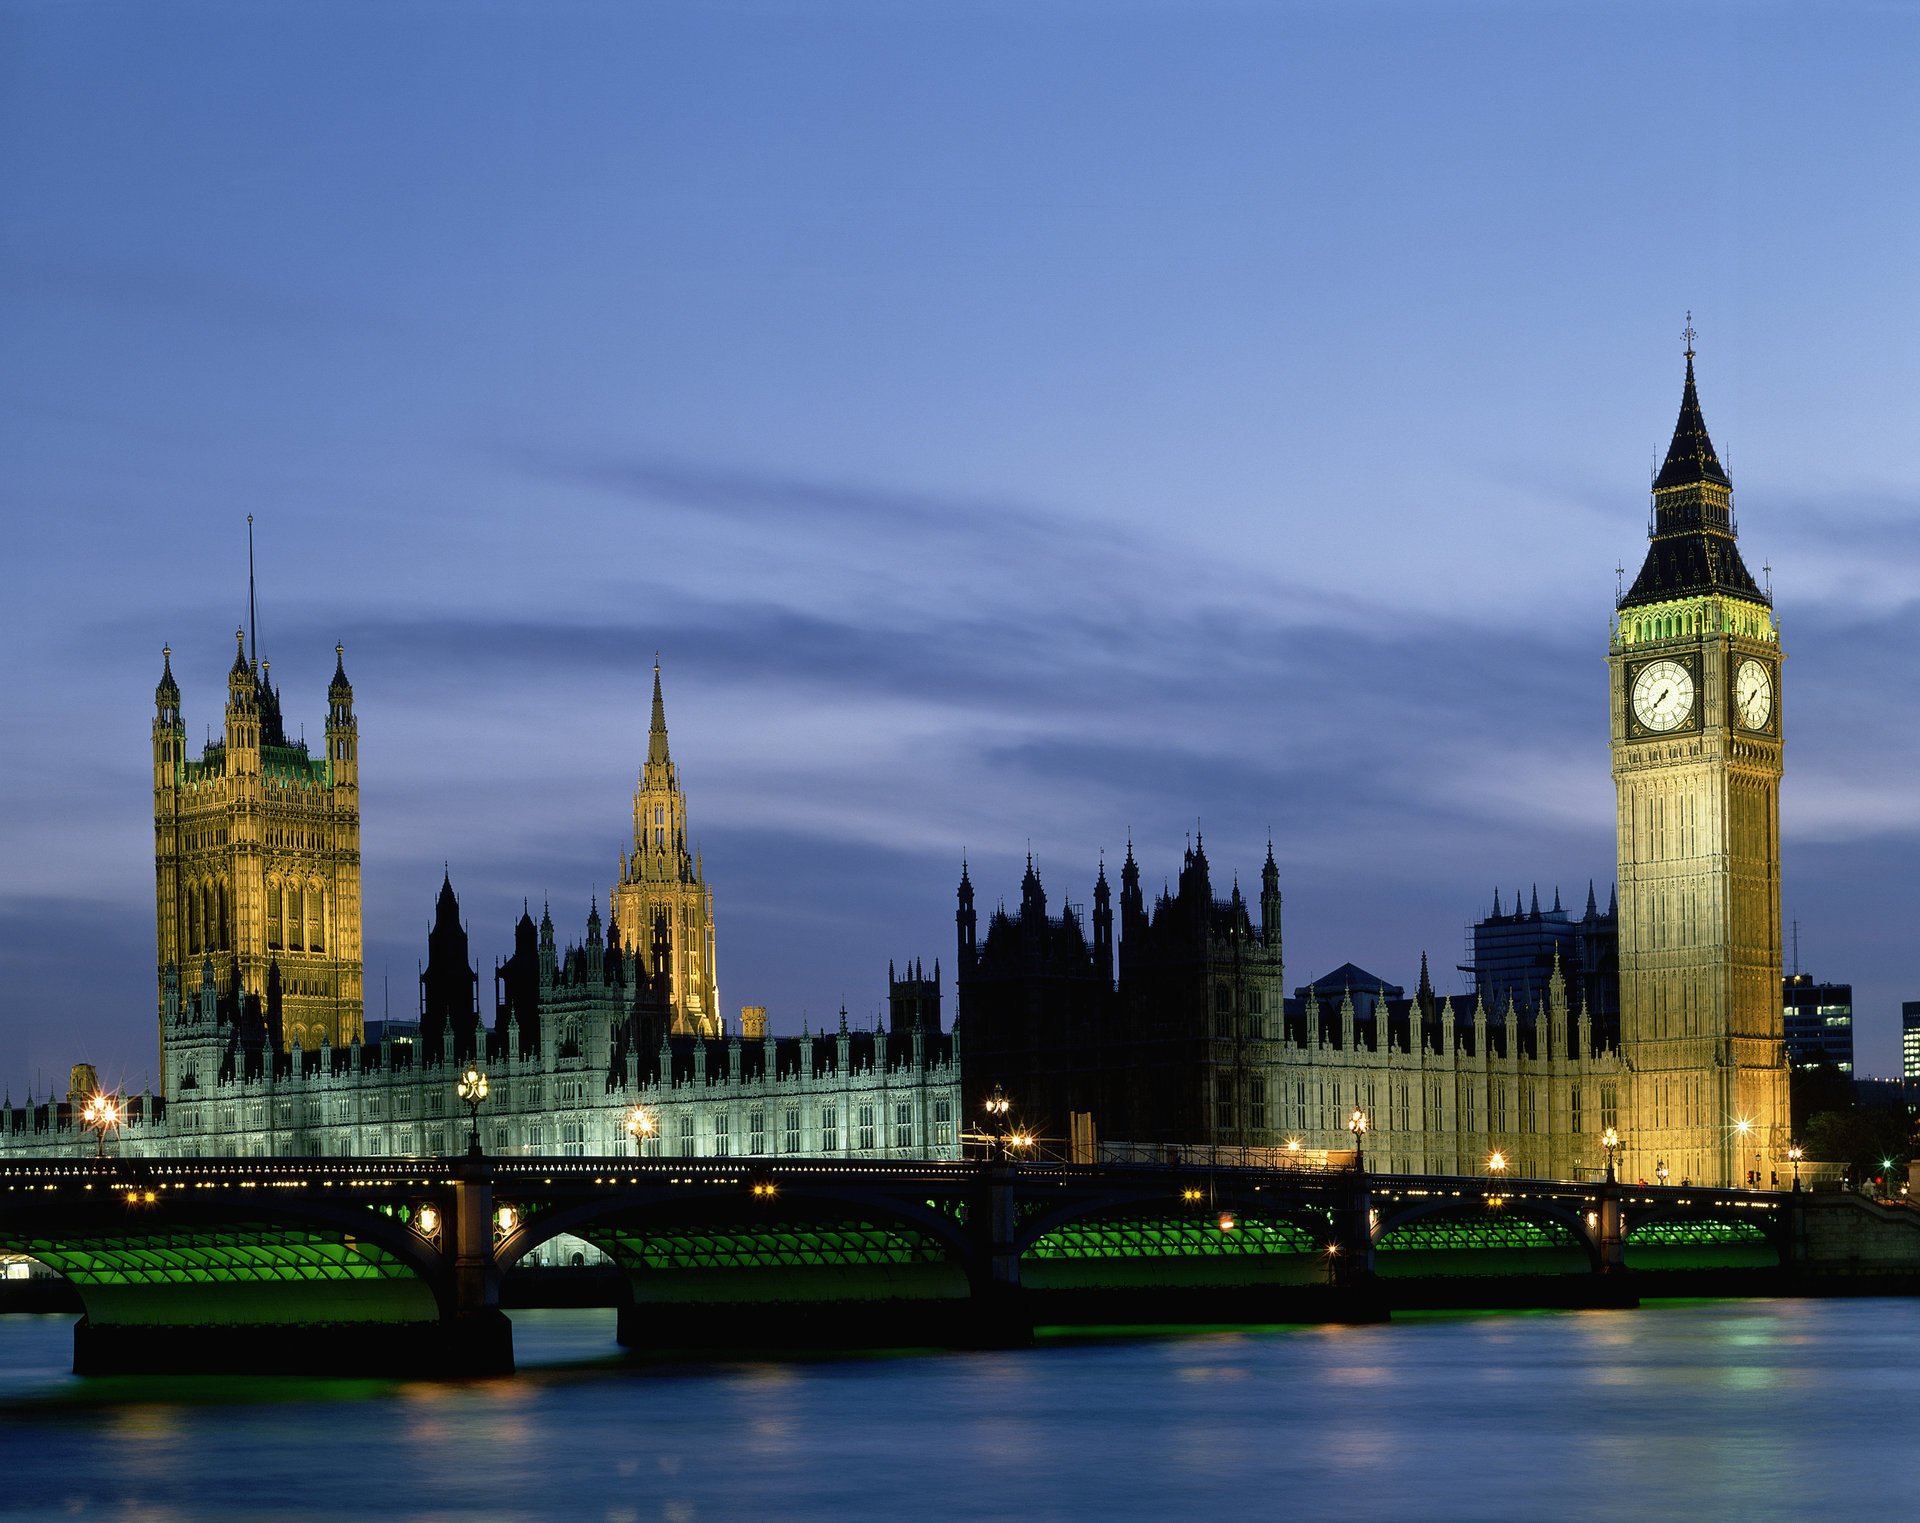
column 1690, row 457
column 1692, row 549
column 966, row 925
column 657, row 733
column 1103, row 926
column 166, row 693
column 1270, row 898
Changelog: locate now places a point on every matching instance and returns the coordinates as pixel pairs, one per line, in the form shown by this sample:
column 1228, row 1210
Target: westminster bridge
column 397, row 1265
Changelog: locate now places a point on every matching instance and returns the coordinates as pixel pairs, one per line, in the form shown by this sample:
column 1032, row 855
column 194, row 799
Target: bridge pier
column 999, row 1316
column 1613, row 1236
column 479, row 1335
column 1353, row 1265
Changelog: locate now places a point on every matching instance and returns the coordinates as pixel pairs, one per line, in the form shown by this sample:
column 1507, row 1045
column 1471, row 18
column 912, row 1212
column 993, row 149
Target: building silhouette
column 1181, row 1038
column 1659, row 1017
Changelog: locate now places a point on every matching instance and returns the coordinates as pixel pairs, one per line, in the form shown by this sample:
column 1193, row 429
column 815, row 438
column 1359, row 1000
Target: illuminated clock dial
column 1753, row 694
column 1663, row 695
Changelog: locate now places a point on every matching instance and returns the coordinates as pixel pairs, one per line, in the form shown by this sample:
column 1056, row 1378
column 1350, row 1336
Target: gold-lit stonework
column 257, row 861
column 662, row 886
column 1698, row 816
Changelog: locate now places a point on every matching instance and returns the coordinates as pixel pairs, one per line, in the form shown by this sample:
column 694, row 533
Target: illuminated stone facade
column 1697, row 758
column 256, row 852
column 663, row 881
column 579, row 1036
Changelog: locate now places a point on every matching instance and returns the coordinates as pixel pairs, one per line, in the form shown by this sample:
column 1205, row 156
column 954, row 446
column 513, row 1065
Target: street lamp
column 1794, row 1154
column 997, row 1106
column 100, row 1115
column 641, row 1128
column 472, row 1089
column 1610, row 1144
column 1660, row 1170
column 1357, row 1124
column 1497, row 1163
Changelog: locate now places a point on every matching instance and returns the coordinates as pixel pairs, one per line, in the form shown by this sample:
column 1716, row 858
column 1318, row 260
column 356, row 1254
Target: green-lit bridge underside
column 239, row 1272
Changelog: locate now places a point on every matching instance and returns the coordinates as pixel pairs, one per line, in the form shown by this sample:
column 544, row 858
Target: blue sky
column 1009, row 423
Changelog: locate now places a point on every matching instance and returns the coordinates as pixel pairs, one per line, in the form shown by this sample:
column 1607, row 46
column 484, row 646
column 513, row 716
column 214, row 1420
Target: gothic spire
column 167, row 691
column 1690, row 457
column 657, row 735
column 1693, row 549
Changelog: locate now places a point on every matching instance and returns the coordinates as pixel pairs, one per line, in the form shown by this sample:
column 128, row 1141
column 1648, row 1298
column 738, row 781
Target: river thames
column 1755, row 1409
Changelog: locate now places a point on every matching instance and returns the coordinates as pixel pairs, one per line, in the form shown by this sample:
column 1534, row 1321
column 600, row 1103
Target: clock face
column 1663, row 695
column 1753, row 694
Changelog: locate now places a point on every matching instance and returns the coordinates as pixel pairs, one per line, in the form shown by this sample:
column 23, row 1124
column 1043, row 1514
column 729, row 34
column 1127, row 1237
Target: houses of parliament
column 1168, row 1024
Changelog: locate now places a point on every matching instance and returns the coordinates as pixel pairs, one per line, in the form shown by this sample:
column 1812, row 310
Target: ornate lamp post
column 997, row 1106
column 472, row 1089
column 641, row 1127
column 1660, row 1170
column 1610, row 1144
column 1741, row 1129
column 1794, row 1154
column 1497, row 1164
column 100, row 1115
column 1357, row 1124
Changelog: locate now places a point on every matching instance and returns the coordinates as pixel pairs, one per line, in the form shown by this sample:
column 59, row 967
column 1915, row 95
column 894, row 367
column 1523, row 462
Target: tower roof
column 1693, row 546
column 1690, row 457
column 657, row 735
column 167, row 689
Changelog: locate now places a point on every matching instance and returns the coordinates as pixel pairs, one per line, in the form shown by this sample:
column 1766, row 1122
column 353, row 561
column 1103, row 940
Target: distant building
column 1515, row 954
column 580, row 1036
column 1819, row 1019
column 1910, row 1041
column 1196, row 1046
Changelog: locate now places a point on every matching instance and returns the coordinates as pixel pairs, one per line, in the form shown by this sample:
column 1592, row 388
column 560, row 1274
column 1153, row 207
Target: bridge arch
column 226, row 1260
column 1510, row 1234
column 751, row 1240
column 1682, row 1235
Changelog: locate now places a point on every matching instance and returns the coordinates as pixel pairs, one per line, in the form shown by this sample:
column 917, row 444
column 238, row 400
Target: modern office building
column 1819, row 1023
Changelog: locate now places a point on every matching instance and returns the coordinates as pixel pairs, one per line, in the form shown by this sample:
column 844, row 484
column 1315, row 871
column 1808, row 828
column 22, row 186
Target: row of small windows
column 1328, row 1105
column 867, row 1123
column 1680, row 626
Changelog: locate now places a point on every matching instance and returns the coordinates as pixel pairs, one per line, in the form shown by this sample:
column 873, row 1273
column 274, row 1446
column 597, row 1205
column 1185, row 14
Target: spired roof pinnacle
column 167, row 687
column 657, row 734
column 1690, row 457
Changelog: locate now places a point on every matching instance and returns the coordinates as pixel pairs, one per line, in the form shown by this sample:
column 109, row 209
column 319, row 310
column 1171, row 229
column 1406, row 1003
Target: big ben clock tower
column 1695, row 665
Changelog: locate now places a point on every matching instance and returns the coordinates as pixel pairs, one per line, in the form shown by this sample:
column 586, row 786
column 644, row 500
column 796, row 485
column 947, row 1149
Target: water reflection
column 1748, row 1410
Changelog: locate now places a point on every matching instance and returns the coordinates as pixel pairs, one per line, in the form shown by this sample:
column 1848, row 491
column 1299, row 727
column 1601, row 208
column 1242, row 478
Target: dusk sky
column 1011, row 425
